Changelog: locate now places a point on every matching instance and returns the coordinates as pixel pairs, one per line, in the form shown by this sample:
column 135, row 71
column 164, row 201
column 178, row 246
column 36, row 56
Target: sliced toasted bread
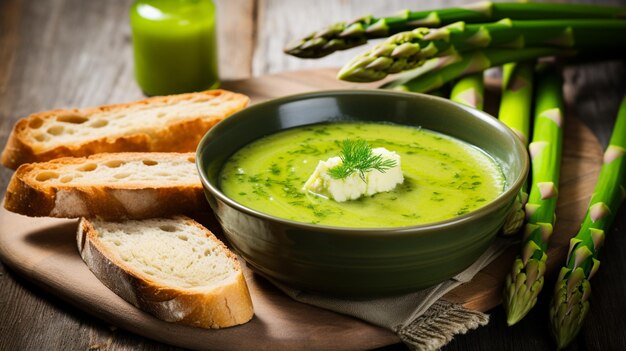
column 113, row 186
column 166, row 124
column 172, row 268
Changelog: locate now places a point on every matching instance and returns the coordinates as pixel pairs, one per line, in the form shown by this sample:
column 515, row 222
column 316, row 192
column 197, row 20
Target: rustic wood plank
column 9, row 19
column 9, row 41
column 236, row 21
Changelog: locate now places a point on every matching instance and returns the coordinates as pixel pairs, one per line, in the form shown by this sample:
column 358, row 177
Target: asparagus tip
column 523, row 284
column 569, row 306
column 516, row 312
column 564, row 330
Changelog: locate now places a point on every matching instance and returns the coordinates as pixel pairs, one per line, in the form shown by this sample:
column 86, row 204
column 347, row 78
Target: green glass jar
column 175, row 46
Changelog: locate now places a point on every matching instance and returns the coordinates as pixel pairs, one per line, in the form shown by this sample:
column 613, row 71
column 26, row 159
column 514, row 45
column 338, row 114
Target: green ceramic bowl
column 360, row 262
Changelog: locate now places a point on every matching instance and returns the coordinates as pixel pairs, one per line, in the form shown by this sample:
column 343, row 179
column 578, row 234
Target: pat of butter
column 353, row 187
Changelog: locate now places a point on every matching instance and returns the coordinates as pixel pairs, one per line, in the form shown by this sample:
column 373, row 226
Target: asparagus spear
column 408, row 50
column 525, row 280
column 342, row 35
column 517, row 84
column 441, row 70
column 570, row 303
column 469, row 90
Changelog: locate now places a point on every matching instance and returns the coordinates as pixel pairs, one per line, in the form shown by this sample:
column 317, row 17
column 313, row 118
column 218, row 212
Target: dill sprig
column 357, row 156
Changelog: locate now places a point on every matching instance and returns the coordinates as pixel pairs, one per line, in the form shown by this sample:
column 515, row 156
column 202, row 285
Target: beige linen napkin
column 421, row 319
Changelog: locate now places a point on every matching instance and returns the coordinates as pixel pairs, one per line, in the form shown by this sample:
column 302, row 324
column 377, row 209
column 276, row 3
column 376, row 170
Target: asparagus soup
column 435, row 177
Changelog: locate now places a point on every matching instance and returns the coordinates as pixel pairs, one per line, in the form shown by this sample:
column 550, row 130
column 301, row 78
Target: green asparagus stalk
column 517, row 88
column 441, row 70
column 408, row 50
column 525, row 280
column 570, row 303
column 342, row 35
column 469, row 90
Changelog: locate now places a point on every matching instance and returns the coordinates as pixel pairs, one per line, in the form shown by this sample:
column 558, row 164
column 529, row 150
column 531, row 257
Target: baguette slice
column 110, row 186
column 174, row 123
column 172, row 268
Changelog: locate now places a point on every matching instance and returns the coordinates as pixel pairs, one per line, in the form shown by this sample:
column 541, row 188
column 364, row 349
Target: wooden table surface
column 77, row 53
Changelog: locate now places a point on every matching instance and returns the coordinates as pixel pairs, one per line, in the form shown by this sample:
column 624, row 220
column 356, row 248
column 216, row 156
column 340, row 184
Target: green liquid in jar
column 175, row 45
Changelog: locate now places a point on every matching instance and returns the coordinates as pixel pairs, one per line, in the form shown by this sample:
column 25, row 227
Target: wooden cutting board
column 44, row 251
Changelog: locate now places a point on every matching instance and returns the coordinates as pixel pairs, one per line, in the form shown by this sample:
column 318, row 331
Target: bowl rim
column 420, row 229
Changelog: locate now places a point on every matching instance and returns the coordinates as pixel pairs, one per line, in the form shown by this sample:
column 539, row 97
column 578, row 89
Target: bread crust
column 224, row 306
column 29, row 197
column 181, row 136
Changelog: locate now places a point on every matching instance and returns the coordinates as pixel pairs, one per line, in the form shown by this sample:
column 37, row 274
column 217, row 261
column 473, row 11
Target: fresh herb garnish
column 274, row 169
column 357, row 156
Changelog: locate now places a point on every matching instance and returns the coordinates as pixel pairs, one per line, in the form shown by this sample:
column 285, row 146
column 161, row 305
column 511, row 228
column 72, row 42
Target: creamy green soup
column 443, row 176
